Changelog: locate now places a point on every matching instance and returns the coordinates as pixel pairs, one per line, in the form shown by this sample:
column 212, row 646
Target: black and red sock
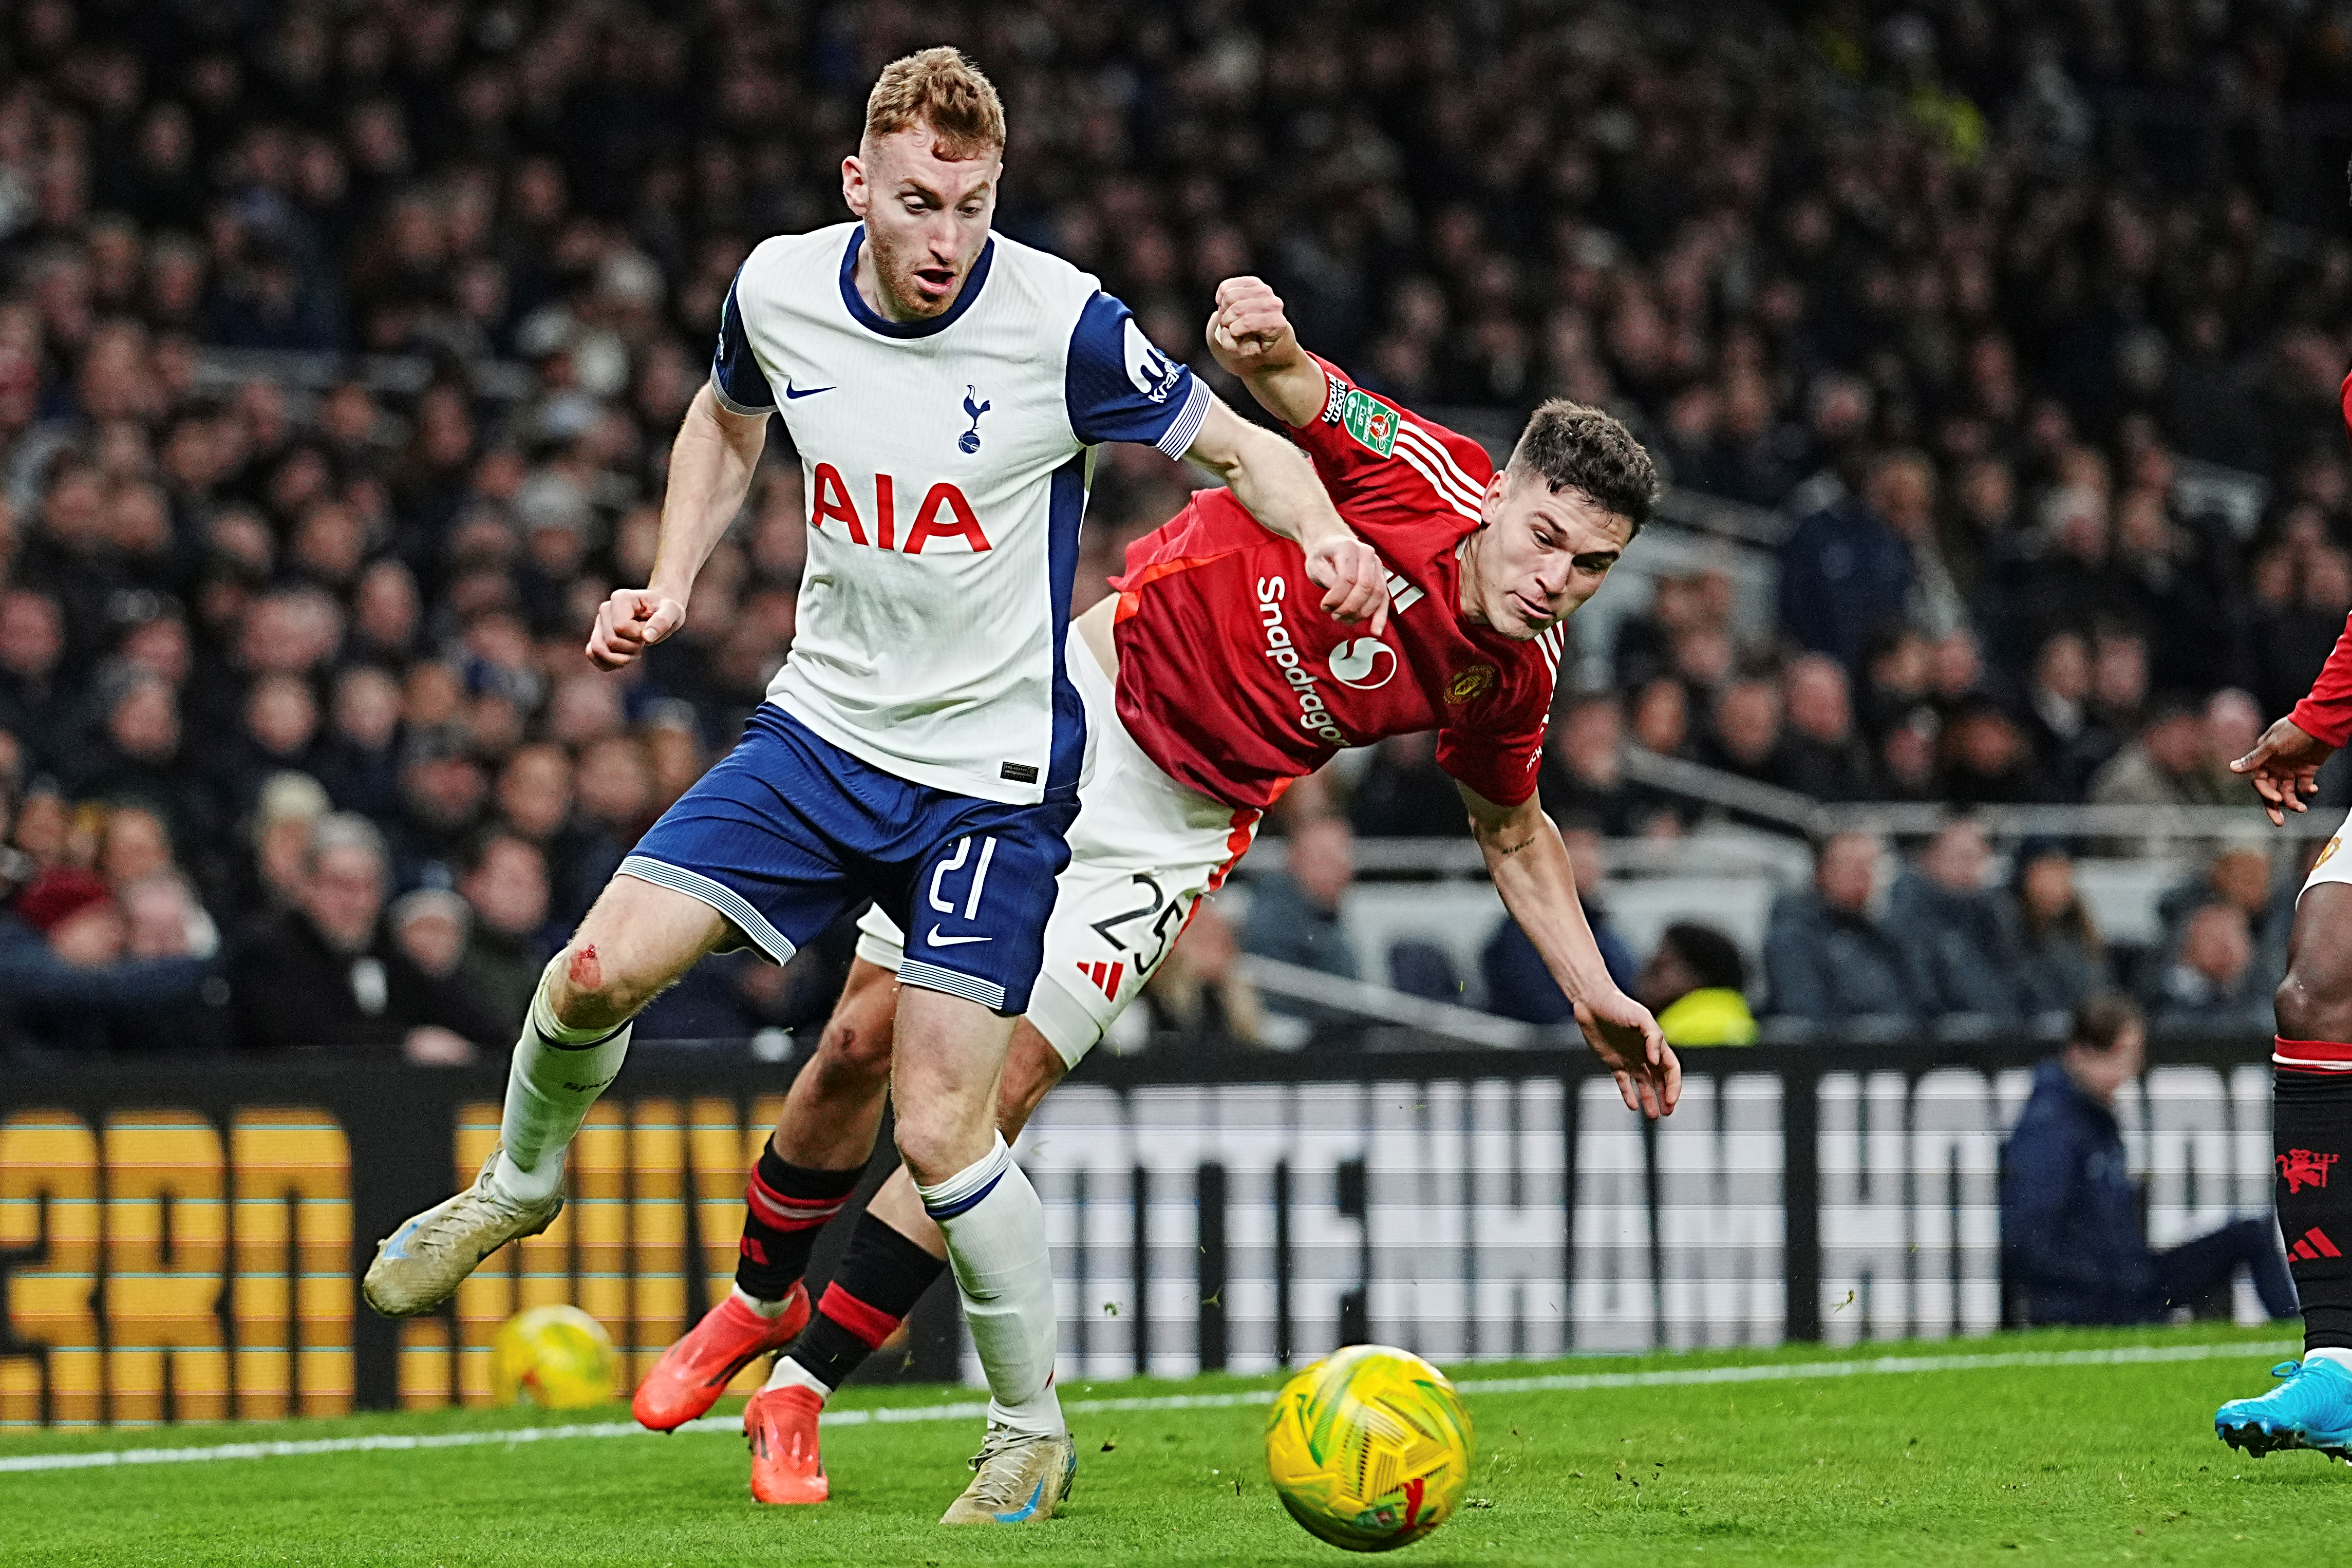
column 882, row 1276
column 784, row 1207
column 2311, row 1132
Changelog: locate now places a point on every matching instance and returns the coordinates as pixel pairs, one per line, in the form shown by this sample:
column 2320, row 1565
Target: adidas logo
column 1105, row 977
column 2314, row 1246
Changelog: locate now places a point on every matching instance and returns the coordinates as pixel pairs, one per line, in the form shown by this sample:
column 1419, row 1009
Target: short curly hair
column 938, row 88
column 1570, row 447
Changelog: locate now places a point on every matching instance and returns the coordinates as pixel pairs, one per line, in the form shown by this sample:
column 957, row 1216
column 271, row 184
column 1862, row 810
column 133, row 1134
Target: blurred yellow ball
column 558, row 1357
column 1369, row 1448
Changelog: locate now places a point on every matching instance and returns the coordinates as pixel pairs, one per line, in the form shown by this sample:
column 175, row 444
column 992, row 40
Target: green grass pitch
column 2072, row 1464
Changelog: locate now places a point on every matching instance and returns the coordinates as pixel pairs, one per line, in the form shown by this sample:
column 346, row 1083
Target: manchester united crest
column 1470, row 685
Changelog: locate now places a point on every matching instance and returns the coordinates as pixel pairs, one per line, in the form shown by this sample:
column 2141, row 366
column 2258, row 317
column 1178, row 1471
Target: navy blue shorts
column 789, row 830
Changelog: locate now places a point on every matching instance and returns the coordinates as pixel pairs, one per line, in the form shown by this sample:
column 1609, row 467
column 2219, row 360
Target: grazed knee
column 588, row 995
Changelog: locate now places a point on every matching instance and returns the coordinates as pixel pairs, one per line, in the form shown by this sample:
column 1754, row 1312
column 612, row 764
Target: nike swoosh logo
column 936, row 940
column 792, row 392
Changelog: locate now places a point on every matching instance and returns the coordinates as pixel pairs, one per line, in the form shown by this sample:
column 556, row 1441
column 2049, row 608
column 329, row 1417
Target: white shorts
column 1142, row 851
column 2333, row 865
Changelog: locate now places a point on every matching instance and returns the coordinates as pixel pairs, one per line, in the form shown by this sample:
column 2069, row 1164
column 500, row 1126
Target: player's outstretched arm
column 1252, row 337
column 710, row 466
column 2285, row 767
column 1529, row 860
column 1276, row 484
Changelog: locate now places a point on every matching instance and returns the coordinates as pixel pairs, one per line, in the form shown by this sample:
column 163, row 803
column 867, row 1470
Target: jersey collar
column 867, row 317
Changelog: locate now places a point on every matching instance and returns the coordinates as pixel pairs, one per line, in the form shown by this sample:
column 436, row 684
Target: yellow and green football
column 1370, row 1447
column 556, row 1357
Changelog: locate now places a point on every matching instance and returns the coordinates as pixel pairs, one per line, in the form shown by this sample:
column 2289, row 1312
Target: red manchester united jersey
column 1234, row 679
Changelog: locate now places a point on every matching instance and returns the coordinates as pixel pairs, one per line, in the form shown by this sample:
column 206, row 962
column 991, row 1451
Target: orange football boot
column 692, row 1373
column 780, row 1426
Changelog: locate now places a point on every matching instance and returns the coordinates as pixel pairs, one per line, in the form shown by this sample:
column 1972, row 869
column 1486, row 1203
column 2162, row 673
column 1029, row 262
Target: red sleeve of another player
column 1384, row 463
column 2326, row 714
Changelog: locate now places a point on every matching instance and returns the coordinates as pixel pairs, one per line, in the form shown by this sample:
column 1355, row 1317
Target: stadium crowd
column 298, row 750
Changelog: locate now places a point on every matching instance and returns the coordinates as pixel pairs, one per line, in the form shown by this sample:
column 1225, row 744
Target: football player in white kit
column 922, row 744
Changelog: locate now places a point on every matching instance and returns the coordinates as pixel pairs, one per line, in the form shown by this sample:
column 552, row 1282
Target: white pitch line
column 972, row 1410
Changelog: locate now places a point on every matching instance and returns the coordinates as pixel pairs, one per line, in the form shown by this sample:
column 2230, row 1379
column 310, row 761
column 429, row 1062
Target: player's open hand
column 1248, row 325
column 1355, row 583
column 1629, row 1043
column 629, row 623
column 2284, row 765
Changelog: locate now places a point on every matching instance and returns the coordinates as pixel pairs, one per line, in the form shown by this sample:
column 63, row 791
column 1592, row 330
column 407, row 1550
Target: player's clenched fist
column 629, row 623
column 1248, row 324
column 1358, row 583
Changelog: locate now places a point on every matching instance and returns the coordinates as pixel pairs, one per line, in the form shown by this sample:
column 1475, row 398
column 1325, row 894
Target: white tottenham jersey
column 947, row 465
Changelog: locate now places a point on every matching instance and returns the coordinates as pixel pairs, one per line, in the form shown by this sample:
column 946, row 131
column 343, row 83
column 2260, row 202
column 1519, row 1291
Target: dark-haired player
column 1211, row 682
column 2311, row 1094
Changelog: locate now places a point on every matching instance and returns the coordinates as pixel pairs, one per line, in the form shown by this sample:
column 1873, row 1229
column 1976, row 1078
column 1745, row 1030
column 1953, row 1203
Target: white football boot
column 1022, row 1478
column 421, row 1265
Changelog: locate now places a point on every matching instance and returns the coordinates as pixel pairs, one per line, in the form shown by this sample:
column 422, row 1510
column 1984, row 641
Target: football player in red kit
column 2311, row 1092
column 1212, row 681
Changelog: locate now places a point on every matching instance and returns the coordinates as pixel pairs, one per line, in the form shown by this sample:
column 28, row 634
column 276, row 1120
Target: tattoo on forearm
column 1503, row 849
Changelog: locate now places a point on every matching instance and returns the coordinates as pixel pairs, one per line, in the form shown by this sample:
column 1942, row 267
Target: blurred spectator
column 138, row 757
column 1847, row 572
column 1583, row 770
column 290, row 807
column 505, row 885
column 1948, row 922
column 1820, row 755
column 1518, row 986
column 325, row 978
column 2230, row 725
column 2239, row 875
column 2071, row 1238
column 1695, row 982
column 429, row 926
column 2213, row 982
column 2053, row 949
column 1745, row 739
column 32, row 642
column 1984, row 758
column 2066, row 731
column 2164, row 767
column 442, row 791
column 70, row 980
column 1405, row 793
column 1296, row 917
column 1827, row 958
column 359, row 761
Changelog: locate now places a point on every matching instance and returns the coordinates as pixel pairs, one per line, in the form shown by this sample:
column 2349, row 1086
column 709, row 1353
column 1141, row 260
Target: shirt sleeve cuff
column 1178, row 437
column 732, row 406
column 2329, row 724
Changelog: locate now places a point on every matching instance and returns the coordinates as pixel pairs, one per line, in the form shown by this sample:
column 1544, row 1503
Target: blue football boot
column 2310, row 1409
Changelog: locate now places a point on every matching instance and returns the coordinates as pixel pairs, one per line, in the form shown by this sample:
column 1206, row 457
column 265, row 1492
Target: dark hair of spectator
column 1712, row 958
column 1572, row 447
column 2103, row 1020
column 940, row 89
column 2075, row 919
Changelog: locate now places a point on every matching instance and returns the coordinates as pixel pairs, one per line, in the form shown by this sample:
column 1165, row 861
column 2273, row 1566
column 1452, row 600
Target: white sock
column 769, row 1309
column 996, row 1230
column 556, row 1075
column 791, row 1373
column 2342, row 1358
